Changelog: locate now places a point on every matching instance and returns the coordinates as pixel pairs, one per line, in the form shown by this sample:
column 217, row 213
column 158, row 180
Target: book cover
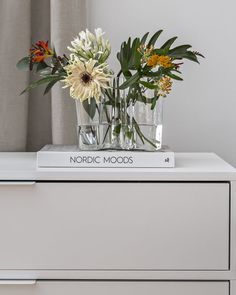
column 67, row 156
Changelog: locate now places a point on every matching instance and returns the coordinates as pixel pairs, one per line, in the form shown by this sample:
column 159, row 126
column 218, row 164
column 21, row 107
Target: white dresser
column 118, row 231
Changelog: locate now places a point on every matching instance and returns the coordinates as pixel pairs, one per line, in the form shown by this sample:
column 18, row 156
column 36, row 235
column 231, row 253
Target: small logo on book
column 167, row 160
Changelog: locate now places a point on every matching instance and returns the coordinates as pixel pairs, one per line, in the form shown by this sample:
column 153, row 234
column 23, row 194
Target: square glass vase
column 120, row 124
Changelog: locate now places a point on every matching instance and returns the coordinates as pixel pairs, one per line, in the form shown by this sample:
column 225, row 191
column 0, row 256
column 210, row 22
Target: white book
column 67, row 156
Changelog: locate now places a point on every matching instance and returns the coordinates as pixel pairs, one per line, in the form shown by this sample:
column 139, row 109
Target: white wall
column 200, row 114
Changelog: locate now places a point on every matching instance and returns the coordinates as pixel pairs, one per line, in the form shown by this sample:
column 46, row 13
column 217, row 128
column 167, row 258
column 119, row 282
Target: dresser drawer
column 120, row 226
column 116, row 288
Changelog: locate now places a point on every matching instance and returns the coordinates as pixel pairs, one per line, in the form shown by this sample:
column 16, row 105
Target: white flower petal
column 88, row 45
column 100, row 78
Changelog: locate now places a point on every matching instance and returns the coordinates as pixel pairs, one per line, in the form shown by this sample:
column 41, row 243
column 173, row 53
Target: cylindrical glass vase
column 88, row 119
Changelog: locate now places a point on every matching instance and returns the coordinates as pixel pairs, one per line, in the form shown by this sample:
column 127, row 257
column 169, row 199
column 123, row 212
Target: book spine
column 105, row 160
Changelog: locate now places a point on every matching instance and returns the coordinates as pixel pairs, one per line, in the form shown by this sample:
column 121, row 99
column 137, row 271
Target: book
column 67, row 156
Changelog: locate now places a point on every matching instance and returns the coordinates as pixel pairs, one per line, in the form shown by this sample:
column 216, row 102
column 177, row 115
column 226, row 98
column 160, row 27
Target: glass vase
column 88, row 119
column 148, row 125
column 130, row 122
column 120, row 121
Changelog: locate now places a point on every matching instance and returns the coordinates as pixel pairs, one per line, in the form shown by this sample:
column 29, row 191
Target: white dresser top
column 189, row 167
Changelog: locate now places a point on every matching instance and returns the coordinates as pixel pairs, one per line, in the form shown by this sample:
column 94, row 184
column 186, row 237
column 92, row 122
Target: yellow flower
column 164, row 86
column 159, row 60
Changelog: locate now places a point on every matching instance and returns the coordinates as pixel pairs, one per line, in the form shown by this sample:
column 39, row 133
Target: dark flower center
column 86, row 78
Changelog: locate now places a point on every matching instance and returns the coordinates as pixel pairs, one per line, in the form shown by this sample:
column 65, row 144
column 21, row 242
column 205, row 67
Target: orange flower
column 164, row 86
column 40, row 51
column 160, row 60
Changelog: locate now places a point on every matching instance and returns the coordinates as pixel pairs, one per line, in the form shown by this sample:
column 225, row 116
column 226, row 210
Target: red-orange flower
column 40, row 51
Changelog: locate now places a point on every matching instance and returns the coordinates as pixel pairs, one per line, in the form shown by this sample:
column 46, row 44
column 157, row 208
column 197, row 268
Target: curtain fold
column 39, row 125
column 32, row 120
column 15, row 34
column 66, row 22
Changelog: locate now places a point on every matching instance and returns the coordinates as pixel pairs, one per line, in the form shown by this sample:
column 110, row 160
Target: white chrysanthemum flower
column 88, row 45
column 86, row 79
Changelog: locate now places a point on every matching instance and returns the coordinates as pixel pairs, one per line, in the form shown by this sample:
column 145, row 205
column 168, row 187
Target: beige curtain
column 30, row 121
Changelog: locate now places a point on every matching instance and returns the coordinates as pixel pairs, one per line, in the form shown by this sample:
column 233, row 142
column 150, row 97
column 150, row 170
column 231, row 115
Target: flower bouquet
column 122, row 111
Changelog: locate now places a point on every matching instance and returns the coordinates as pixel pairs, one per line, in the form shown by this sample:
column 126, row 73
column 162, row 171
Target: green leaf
column 136, row 126
column 55, row 67
column 134, row 56
column 199, row 54
column 191, row 56
column 90, row 108
column 141, row 135
column 41, row 81
column 154, row 38
column 108, row 93
column 179, row 49
column 129, row 133
column 177, row 71
column 129, row 56
column 127, row 74
column 122, row 57
column 187, row 55
column 118, row 55
column 144, row 38
column 168, row 43
column 41, row 66
column 148, row 85
column 116, row 130
column 133, row 79
column 173, row 76
column 154, row 101
column 24, row 63
column 50, row 85
column 159, row 51
column 137, row 60
column 125, row 49
column 152, row 74
column 117, row 84
column 132, row 52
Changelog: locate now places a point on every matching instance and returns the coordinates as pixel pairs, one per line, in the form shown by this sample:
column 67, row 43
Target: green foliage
column 148, row 85
column 117, row 129
column 41, row 66
column 130, row 81
column 24, row 63
column 143, row 64
column 144, row 38
column 129, row 56
column 154, row 101
column 173, row 76
column 154, row 38
column 51, row 84
column 134, row 69
column 90, row 107
column 141, row 75
column 168, row 43
column 50, row 72
column 44, row 80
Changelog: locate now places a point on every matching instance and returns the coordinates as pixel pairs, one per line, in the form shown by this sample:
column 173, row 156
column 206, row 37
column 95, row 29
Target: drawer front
column 117, row 288
column 121, row 226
